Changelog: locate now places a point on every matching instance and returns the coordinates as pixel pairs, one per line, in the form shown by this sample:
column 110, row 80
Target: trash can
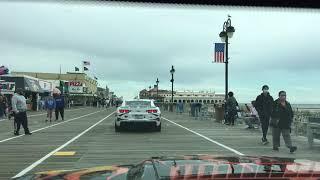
column 219, row 112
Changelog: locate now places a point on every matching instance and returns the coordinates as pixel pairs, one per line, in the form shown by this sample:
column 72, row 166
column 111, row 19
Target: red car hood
column 196, row 167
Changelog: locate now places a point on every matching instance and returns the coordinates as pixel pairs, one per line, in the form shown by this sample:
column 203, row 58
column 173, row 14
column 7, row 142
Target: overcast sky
column 129, row 46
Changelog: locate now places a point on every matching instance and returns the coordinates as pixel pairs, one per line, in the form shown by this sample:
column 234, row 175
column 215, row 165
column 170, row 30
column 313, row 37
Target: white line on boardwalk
column 29, row 168
column 51, row 126
column 68, row 110
column 205, row 137
column 3, row 119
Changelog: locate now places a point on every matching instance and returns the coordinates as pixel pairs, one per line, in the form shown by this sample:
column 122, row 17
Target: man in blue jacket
column 59, row 106
column 50, row 105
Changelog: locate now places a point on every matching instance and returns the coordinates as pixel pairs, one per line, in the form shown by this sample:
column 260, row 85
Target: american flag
column 219, row 52
column 86, row 63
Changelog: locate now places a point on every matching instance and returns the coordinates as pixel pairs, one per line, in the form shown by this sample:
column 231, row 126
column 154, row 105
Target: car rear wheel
column 158, row 128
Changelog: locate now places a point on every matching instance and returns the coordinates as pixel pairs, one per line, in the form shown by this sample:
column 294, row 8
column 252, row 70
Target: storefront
column 7, row 89
column 30, row 86
column 77, row 93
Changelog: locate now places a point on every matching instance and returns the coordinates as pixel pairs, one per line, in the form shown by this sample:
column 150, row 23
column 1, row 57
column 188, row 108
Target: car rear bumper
column 133, row 123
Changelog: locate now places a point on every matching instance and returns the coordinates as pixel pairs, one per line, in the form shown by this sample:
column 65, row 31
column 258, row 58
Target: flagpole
column 82, row 67
column 59, row 72
column 226, row 76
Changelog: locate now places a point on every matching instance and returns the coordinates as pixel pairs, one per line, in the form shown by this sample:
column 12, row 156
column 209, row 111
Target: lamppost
column 225, row 34
column 172, row 72
column 157, row 88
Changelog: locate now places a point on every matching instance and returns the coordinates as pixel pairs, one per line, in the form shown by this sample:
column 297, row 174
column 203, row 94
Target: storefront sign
column 75, row 89
column 75, row 83
column 7, row 87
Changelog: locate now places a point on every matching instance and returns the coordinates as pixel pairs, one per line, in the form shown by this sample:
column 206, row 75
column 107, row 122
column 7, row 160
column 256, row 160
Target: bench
column 313, row 129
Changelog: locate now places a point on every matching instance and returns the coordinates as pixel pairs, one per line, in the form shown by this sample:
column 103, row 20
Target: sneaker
column 29, row 133
column 16, row 134
column 265, row 141
column 275, row 149
column 293, row 149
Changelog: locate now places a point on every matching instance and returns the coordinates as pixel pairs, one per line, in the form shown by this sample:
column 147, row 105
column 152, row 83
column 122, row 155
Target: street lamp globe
column 172, row 70
column 223, row 36
column 230, row 31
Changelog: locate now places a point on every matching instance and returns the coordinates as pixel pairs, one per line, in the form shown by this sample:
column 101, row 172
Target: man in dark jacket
column 59, row 106
column 231, row 109
column 282, row 116
column 264, row 107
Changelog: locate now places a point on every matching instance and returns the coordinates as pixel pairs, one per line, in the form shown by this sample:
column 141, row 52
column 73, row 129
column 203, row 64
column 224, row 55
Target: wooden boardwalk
column 88, row 135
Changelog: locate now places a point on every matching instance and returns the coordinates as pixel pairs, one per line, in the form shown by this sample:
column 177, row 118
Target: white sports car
column 138, row 113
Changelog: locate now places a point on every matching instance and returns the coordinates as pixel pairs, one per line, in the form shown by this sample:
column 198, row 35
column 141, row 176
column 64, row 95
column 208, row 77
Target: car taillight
column 123, row 111
column 152, row 111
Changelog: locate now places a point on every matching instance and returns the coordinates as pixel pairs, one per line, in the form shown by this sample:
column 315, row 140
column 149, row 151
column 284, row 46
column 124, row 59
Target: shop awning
column 32, row 85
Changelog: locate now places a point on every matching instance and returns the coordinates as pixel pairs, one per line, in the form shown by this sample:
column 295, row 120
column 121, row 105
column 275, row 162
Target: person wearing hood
column 263, row 105
column 19, row 107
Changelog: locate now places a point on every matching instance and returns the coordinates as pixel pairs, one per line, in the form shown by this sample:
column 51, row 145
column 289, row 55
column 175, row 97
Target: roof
column 138, row 100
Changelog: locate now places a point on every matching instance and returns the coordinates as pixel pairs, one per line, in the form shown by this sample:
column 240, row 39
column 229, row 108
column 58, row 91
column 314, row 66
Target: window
column 138, row 103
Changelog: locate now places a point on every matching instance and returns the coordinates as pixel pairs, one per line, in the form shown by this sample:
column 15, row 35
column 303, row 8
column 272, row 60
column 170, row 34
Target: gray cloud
column 135, row 45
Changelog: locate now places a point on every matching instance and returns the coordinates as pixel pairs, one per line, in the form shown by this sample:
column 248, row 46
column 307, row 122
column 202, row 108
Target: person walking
column 231, row 109
column 50, row 105
column 107, row 103
column 263, row 105
column 180, row 107
column 19, row 107
column 59, row 106
column 281, row 120
column 1, row 108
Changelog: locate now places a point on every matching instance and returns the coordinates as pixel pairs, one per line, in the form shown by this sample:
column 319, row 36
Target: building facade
column 182, row 96
column 195, row 96
column 78, row 87
column 89, row 85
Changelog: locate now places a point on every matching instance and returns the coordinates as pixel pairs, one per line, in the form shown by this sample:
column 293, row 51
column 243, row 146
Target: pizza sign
column 75, row 83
